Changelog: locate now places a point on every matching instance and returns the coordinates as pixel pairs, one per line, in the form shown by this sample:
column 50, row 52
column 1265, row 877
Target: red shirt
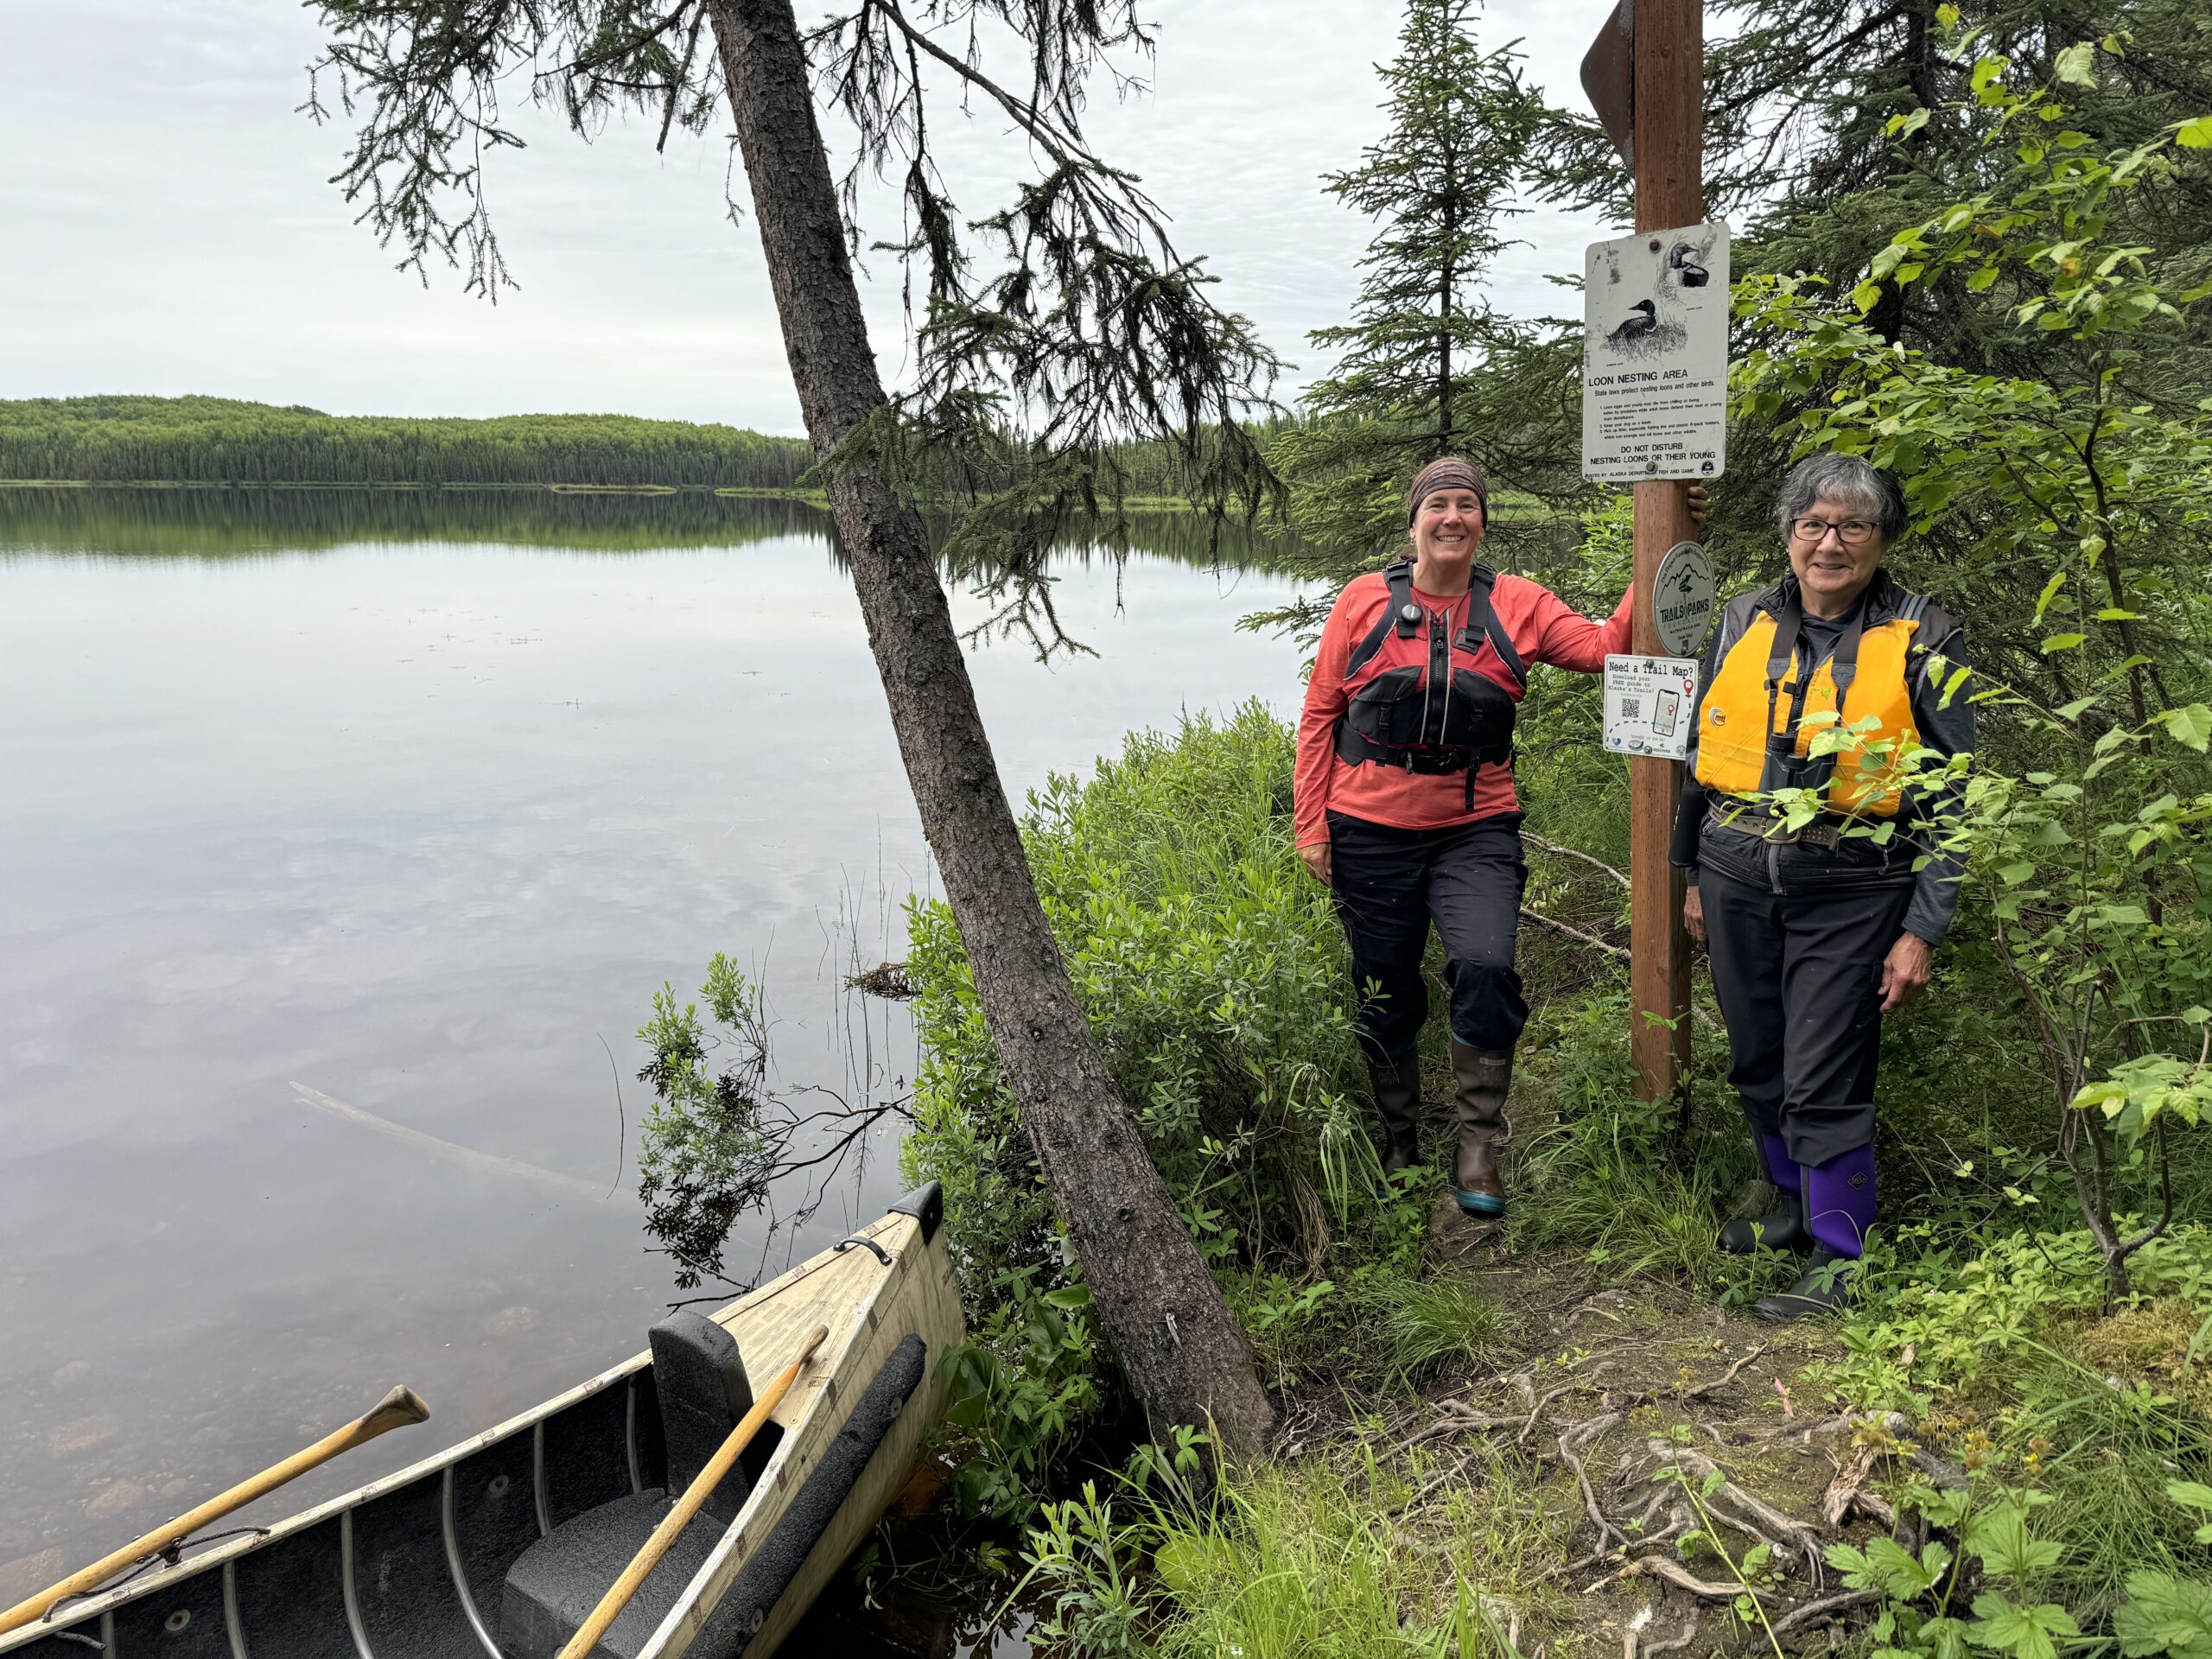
column 1544, row 627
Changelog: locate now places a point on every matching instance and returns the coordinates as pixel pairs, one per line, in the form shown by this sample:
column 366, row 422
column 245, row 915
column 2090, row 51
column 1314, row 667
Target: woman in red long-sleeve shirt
column 1405, row 807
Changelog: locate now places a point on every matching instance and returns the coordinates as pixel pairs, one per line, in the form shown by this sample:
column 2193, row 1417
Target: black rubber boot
column 1816, row 1290
column 1782, row 1229
column 1484, row 1079
column 1397, row 1103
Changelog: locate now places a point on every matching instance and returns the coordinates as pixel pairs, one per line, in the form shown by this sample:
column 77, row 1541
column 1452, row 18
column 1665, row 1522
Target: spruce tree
column 1425, row 365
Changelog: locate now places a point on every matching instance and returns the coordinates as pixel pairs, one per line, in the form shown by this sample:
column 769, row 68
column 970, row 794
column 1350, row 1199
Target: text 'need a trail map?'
column 1655, row 356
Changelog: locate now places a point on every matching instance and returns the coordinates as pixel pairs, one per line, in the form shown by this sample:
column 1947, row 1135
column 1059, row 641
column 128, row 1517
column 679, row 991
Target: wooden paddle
column 395, row 1410
column 696, row 1493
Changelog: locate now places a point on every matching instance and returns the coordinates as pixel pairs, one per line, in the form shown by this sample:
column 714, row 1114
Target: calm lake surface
column 410, row 802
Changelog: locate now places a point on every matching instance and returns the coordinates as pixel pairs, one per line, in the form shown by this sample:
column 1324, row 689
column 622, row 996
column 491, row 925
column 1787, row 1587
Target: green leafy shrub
column 1214, row 973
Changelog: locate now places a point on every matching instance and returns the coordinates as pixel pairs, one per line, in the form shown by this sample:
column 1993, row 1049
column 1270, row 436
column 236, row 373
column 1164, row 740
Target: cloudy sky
column 168, row 226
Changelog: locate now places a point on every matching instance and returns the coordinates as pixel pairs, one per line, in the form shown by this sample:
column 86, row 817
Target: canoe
column 499, row 1546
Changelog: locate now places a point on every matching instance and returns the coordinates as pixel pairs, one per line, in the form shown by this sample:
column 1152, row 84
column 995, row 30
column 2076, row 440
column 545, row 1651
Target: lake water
column 409, row 803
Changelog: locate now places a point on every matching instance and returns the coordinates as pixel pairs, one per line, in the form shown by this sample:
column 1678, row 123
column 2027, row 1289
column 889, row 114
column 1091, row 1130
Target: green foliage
column 1082, row 1567
column 1431, row 1320
column 1611, row 1176
column 2082, row 473
column 1969, row 1315
column 2164, row 1615
column 1213, row 971
column 221, row 440
column 1297, row 1561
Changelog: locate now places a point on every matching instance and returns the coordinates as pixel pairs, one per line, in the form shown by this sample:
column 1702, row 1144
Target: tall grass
column 1309, row 1561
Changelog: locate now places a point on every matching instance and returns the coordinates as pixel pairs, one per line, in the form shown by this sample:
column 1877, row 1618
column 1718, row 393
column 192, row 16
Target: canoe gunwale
column 795, row 1414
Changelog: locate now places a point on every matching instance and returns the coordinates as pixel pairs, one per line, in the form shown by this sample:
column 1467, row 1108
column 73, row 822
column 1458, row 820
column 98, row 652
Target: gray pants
column 1796, row 935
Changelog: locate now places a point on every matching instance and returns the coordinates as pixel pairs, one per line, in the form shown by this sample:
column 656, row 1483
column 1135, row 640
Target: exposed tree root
column 1728, row 1502
column 1673, row 1644
column 1813, row 1612
column 1674, row 1572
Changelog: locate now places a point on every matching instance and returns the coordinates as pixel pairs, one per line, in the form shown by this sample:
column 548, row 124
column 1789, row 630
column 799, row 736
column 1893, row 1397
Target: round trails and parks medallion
column 1682, row 599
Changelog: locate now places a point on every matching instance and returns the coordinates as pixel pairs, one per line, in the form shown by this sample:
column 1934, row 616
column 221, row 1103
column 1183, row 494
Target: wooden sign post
column 1669, row 128
column 1645, row 75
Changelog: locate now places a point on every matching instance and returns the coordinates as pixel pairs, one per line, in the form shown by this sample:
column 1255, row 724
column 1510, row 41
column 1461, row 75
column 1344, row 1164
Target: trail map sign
column 1682, row 599
column 1650, row 704
column 1655, row 356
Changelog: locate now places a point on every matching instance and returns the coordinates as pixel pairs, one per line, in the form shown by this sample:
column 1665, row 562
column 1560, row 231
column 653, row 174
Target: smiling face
column 1446, row 530
column 1834, row 551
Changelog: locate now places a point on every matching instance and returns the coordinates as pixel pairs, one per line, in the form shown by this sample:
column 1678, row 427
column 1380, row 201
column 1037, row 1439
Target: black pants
column 1391, row 885
column 1796, row 935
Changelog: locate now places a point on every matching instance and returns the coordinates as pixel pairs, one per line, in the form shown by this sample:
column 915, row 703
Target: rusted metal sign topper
column 1609, row 77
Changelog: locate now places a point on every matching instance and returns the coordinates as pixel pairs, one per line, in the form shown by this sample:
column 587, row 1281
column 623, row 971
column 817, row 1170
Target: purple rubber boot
column 1839, row 1198
column 1840, row 1202
column 1781, row 1167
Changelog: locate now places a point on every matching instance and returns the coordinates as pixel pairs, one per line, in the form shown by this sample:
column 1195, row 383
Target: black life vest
column 1426, row 700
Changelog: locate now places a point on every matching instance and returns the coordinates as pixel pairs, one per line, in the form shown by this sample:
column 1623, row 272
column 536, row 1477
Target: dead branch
column 1844, row 1492
column 1722, row 1382
column 1544, row 845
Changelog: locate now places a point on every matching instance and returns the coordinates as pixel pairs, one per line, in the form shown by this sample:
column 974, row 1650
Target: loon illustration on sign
column 1655, row 356
column 1682, row 599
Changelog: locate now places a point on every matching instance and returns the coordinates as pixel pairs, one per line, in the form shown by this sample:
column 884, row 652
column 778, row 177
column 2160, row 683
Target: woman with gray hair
column 1815, row 932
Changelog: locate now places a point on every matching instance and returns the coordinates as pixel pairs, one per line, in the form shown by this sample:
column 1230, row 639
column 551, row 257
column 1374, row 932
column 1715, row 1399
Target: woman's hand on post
column 1694, row 913
column 1905, row 970
column 1694, row 500
column 1318, row 862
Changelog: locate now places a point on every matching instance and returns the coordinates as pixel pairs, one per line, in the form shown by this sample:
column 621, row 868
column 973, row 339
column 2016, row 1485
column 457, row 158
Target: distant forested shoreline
column 129, row 440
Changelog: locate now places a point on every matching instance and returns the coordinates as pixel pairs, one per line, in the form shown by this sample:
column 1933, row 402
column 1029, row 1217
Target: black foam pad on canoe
column 554, row 1585
column 926, row 1206
column 699, row 1380
column 761, row 1583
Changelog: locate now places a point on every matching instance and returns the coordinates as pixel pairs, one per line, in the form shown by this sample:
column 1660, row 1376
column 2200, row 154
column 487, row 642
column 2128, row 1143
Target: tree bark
column 1184, row 1354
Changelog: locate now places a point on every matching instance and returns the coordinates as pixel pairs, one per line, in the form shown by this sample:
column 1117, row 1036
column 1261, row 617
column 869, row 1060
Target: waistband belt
column 1764, row 826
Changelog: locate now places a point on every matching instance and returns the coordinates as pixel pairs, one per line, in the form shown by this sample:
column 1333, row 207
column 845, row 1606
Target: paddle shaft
column 678, row 1518
column 395, row 1410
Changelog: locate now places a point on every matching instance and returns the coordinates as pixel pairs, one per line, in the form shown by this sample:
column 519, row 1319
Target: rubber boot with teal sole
column 1484, row 1077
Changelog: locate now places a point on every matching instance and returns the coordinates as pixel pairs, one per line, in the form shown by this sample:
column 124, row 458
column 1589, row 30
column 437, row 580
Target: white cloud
column 169, row 226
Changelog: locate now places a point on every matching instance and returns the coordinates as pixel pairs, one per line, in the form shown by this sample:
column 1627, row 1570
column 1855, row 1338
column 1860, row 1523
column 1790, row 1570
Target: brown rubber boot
column 1484, row 1079
column 1397, row 1102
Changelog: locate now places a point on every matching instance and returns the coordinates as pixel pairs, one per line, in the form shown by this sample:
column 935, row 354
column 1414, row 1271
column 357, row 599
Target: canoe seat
column 700, row 1385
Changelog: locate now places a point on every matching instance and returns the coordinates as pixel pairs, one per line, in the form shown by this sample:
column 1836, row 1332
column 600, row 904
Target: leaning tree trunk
column 1184, row 1354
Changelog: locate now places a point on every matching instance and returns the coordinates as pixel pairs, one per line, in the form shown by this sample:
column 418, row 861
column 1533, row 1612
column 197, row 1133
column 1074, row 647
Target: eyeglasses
column 1851, row 532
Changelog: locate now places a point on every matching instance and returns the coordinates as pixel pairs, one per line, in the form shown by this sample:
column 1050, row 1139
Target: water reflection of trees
column 225, row 524
column 221, row 523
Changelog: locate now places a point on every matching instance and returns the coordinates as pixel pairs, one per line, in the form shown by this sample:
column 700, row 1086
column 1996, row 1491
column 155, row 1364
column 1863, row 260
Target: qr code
column 1632, row 708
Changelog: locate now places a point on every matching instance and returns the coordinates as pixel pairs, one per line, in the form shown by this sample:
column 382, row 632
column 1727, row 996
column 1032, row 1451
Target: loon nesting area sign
column 1655, row 356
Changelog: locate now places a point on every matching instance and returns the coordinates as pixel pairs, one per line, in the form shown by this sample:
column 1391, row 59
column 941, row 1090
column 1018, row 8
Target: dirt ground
column 1605, row 1392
